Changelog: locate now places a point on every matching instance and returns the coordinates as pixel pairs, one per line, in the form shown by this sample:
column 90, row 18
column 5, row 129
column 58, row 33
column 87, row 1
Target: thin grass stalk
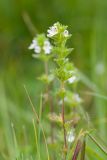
column 15, row 141
column 40, row 116
column 63, row 123
column 37, row 118
column 36, row 140
column 98, row 144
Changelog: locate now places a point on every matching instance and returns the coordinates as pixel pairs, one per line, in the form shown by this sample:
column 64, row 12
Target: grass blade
column 38, row 122
column 36, row 139
column 98, row 144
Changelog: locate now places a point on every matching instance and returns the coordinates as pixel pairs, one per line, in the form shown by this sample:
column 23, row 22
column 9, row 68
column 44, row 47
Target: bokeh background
column 20, row 21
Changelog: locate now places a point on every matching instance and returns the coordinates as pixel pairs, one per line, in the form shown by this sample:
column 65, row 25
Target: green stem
column 46, row 67
column 50, row 101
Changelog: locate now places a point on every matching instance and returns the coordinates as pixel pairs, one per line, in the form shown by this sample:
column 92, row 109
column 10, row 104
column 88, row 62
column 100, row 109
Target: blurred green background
column 20, row 20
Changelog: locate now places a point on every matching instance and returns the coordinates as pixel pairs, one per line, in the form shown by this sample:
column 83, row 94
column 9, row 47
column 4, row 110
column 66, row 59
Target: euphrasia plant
column 57, row 51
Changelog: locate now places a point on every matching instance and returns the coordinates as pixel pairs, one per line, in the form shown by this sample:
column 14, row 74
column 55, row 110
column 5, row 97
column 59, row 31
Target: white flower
column 70, row 136
column 52, row 31
column 66, row 33
column 72, row 79
column 77, row 98
column 37, row 49
column 33, row 44
column 47, row 47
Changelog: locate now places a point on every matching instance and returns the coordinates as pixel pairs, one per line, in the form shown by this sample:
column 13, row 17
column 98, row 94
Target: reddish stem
column 77, row 150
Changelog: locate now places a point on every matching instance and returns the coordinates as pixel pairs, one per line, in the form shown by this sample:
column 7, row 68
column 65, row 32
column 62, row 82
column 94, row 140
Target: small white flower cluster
column 37, row 49
column 52, row 31
column 70, row 136
column 47, row 47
